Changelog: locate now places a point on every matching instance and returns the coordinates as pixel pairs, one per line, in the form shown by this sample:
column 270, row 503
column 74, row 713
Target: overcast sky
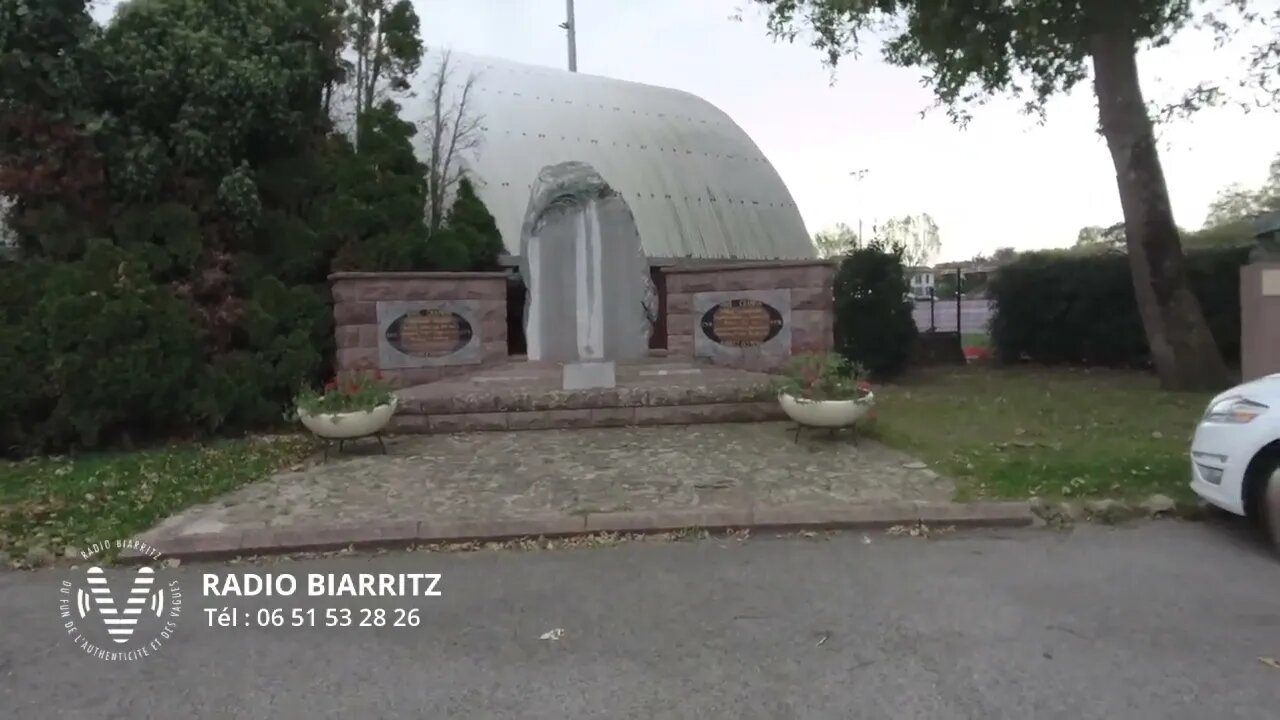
column 1002, row 182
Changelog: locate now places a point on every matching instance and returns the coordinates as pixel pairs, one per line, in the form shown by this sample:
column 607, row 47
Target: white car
column 1235, row 455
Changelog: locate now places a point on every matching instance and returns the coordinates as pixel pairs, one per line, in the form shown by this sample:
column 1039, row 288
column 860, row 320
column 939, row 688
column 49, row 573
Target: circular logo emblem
column 124, row 614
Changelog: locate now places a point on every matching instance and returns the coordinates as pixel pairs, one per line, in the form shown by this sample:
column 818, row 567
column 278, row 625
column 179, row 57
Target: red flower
column 332, row 384
column 864, row 385
column 377, row 374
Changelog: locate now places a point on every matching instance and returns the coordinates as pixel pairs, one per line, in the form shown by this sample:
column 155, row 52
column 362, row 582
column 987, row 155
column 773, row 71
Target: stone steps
column 524, row 397
column 412, row 422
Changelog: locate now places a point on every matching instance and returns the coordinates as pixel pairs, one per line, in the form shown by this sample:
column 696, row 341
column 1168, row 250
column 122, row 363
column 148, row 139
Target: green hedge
column 172, row 271
column 1053, row 308
column 94, row 353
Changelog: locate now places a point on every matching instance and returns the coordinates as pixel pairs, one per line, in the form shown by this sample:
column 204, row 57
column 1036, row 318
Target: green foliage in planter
column 351, row 392
column 874, row 327
column 823, row 376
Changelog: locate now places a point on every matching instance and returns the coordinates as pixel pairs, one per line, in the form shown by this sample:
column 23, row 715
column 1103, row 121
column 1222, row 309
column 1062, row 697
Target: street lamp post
column 570, row 26
column 858, row 176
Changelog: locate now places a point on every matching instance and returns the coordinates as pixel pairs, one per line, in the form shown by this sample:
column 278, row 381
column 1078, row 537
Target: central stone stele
column 591, row 300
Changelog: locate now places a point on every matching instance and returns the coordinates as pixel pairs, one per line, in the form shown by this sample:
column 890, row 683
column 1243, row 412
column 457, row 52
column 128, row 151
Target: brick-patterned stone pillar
column 480, row 297
column 1259, row 319
column 808, row 315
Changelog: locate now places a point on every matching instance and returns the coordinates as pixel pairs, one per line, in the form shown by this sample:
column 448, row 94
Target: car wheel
column 1271, row 507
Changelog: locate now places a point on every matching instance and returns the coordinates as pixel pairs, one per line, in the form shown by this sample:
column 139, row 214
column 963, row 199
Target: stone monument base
column 589, row 374
column 529, row 396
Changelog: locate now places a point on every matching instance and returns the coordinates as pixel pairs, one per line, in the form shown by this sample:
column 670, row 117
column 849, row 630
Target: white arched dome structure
column 699, row 188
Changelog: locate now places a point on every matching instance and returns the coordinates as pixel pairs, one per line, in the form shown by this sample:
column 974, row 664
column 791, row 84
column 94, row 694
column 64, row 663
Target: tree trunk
column 1182, row 348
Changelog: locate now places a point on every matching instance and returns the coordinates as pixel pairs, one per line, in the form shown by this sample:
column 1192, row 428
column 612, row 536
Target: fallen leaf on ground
column 554, row 634
column 1270, row 662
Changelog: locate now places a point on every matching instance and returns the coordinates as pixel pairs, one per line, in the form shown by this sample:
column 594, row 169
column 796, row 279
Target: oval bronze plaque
column 742, row 323
column 429, row 333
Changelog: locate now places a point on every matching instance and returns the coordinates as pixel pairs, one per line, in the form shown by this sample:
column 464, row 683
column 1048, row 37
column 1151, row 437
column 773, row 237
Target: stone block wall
column 1259, row 319
column 418, row 327
column 751, row 315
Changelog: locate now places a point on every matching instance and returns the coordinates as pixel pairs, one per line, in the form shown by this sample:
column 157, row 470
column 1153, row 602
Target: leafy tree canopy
column 840, row 239
column 917, row 235
column 1031, row 50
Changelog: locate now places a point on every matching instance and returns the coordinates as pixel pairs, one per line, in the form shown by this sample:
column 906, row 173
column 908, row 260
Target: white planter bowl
column 826, row 413
column 344, row 426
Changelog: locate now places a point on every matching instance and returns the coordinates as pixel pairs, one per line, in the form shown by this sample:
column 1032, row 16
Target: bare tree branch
column 453, row 129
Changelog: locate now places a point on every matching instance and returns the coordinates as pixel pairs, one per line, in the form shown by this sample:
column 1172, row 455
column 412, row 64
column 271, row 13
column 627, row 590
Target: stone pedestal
column 590, row 374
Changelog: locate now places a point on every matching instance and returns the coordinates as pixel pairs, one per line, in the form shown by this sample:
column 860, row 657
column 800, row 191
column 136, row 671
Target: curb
column 403, row 534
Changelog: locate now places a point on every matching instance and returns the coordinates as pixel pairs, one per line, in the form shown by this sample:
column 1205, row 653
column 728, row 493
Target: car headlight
column 1234, row 410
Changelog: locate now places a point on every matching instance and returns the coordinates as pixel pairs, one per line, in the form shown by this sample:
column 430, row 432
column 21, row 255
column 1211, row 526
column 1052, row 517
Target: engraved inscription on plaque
column 743, row 322
column 429, row 333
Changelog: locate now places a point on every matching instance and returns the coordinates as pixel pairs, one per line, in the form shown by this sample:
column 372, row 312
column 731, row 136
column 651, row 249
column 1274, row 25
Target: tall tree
column 917, row 235
column 1096, row 237
column 383, row 35
column 840, row 239
column 1004, row 255
column 50, row 168
column 452, row 129
column 1034, row 50
column 1259, row 87
column 1237, row 203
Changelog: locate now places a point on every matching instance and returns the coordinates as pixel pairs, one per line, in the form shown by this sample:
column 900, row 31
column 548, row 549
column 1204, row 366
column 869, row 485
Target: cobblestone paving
column 512, row 475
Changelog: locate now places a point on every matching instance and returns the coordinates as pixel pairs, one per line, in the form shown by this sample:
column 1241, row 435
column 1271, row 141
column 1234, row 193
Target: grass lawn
column 59, row 502
column 972, row 339
column 1017, row 432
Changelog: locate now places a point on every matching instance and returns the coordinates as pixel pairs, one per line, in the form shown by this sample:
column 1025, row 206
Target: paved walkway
column 536, row 474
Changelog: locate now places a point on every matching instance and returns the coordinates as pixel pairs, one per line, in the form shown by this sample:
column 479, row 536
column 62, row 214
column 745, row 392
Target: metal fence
column 966, row 315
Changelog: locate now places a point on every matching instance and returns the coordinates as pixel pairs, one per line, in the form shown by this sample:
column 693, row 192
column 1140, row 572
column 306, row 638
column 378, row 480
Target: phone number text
column 230, row 617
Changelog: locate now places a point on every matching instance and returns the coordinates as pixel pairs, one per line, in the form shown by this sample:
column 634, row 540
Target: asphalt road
column 1165, row 620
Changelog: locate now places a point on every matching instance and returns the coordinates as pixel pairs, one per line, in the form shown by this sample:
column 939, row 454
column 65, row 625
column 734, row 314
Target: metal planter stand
column 343, row 441
column 831, row 433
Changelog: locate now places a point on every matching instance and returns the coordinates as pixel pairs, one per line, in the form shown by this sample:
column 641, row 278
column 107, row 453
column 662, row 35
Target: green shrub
column 475, row 228
column 1055, row 308
column 27, row 390
column 874, row 327
column 120, row 351
column 173, row 277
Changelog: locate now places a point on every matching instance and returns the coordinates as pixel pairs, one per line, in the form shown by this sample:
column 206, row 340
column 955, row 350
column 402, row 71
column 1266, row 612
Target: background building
column 698, row 186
